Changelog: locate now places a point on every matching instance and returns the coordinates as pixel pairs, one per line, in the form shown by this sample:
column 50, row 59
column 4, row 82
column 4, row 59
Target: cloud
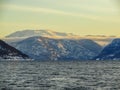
column 47, row 10
column 102, row 6
column 53, row 11
column 98, row 9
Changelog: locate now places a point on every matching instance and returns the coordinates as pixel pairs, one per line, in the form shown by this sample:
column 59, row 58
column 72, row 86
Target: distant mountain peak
column 43, row 33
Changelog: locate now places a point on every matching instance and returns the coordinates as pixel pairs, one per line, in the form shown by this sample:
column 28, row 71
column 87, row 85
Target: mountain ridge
column 21, row 35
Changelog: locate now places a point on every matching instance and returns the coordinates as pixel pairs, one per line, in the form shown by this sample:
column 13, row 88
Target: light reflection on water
column 88, row 75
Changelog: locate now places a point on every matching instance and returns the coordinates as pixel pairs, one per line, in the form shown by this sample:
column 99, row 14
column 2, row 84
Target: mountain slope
column 90, row 45
column 41, row 48
column 111, row 51
column 8, row 52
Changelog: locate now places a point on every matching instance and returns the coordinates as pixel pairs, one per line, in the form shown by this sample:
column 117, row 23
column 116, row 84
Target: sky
column 81, row 17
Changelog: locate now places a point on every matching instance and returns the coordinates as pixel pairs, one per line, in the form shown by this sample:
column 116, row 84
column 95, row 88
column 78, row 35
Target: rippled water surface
column 87, row 75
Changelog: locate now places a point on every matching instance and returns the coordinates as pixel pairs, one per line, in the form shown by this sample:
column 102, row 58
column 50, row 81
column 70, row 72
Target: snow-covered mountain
column 41, row 48
column 43, row 33
column 10, row 53
column 111, row 51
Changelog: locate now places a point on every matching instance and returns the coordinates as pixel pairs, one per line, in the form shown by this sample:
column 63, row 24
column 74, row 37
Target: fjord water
column 77, row 75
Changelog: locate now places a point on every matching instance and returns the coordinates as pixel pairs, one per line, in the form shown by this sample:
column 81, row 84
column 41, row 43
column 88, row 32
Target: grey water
column 77, row 75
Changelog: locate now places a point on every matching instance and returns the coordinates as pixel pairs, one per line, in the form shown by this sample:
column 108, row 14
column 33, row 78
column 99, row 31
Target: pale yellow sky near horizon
column 81, row 17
